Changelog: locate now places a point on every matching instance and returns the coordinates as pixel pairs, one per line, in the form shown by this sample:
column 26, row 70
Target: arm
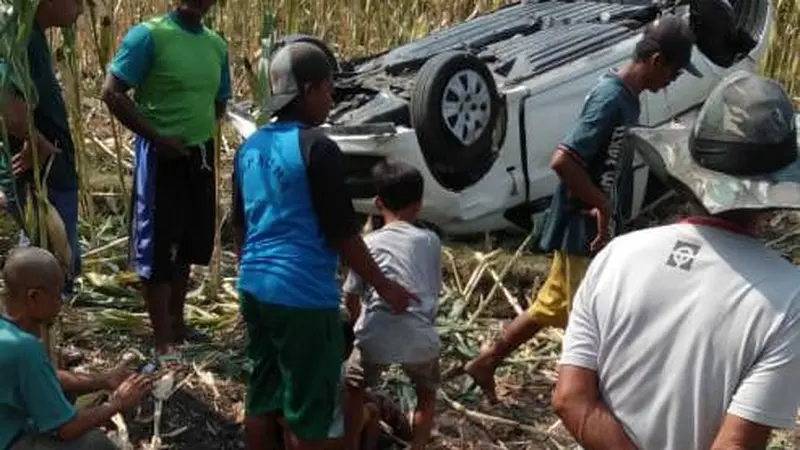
column 224, row 93
column 81, row 384
column 44, row 403
column 86, row 420
column 740, row 434
column 128, row 394
column 128, row 69
column 576, row 398
column 577, row 179
column 334, row 209
column 591, row 132
column 762, row 401
column 15, row 117
column 355, row 253
column 122, row 107
column 577, row 402
column 353, row 289
column 353, row 304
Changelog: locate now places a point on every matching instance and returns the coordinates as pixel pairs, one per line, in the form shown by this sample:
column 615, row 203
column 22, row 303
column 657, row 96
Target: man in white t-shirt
column 687, row 336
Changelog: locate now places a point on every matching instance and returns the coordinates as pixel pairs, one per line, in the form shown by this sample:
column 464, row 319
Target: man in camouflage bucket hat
column 741, row 152
column 695, row 325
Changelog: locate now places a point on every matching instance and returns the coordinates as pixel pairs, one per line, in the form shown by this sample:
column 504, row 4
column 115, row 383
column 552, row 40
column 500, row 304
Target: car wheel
column 454, row 110
column 311, row 40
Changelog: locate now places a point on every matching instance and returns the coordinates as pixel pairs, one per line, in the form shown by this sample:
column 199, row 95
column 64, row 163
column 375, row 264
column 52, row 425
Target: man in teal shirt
column 179, row 72
column 51, row 129
column 34, row 412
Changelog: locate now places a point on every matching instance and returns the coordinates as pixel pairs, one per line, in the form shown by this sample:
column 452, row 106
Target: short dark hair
column 644, row 49
column 397, row 184
column 670, row 36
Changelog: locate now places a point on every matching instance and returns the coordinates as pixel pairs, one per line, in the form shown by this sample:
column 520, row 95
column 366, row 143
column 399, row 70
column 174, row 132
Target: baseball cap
column 291, row 66
column 741, row 152
column 672, row 37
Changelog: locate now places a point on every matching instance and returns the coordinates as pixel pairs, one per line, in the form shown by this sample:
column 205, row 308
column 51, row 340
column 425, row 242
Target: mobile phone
column 148, row 367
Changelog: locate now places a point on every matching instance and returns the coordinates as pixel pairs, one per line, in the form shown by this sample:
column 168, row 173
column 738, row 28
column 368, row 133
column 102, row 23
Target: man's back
column 285, row 257
column 685, row 324
column 411, row 256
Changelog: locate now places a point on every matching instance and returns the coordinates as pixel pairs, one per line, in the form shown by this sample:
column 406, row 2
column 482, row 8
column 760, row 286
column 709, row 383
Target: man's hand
column 131, row 391
column 22, row 161
column 116, row 377
column 171, row 147
column 396, row 296
column 601, row 216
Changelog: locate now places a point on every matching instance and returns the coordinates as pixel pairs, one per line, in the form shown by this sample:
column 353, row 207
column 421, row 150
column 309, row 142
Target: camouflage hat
column 741, row 153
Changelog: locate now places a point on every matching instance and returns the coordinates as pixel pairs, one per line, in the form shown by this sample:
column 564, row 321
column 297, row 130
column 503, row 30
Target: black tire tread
column 437, row 143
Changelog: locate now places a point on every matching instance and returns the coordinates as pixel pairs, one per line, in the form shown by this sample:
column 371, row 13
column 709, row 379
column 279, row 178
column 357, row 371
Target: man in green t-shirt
column 51, row 132
column 179, row 72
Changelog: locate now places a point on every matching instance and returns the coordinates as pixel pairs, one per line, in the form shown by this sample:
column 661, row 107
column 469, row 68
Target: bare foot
column 482, row 371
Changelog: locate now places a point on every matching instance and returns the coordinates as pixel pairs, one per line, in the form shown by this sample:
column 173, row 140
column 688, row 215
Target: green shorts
column 297, row 361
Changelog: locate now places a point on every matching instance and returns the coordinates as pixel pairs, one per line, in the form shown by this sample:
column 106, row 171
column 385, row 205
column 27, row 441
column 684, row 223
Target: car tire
column 299, row 37
column 454, row 109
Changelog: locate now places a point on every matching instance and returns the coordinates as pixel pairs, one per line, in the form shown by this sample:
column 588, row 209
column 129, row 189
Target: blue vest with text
column 285, row 259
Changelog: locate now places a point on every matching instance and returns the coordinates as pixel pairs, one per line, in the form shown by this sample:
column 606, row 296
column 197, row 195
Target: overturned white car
column 480, row 107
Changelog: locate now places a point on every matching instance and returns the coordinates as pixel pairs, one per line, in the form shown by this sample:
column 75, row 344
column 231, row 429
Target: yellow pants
column 554, row 299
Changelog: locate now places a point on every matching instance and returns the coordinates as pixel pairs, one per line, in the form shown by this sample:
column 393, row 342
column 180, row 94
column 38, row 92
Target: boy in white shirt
column 411, row 256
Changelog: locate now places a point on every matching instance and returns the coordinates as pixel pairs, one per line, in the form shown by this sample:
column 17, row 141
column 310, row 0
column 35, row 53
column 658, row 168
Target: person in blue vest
column 179, row 72
column 293, row 218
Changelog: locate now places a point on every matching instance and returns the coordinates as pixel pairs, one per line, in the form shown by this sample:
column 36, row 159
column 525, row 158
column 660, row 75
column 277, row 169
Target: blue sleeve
column 224, row 92
column 595, row 124
column 42, row 398
column 134, row 56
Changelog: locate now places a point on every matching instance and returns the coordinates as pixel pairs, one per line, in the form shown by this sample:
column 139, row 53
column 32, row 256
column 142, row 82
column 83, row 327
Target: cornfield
column 782, row 61
column 352, row 28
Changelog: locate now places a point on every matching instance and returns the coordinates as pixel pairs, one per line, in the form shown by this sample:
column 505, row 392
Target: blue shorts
column 172, row 211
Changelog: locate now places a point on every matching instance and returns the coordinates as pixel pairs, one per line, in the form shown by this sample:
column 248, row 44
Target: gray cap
column 291, row 66
column 741, row 152
column 672, row 37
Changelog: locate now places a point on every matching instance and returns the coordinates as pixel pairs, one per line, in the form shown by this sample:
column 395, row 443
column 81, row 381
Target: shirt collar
column 716, row 222
column 173, row 15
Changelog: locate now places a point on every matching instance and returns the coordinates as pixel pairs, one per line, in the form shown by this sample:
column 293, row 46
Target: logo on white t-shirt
column 683, row 255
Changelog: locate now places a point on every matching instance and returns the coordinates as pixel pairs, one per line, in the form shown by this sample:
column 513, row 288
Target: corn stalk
column 782, row 61
column 212, row 289
column 71, row 72
column 17, row 24
column 103, row 44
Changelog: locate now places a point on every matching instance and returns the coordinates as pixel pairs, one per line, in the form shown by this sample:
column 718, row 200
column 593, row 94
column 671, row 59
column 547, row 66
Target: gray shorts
column 361, row 374
column 93, row 440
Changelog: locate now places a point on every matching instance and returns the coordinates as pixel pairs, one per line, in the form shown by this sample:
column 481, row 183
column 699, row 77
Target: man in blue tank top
column 293, row 218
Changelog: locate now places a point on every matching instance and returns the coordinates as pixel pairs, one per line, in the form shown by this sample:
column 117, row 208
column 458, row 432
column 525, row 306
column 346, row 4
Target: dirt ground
column 104, row 323
column 207, row 411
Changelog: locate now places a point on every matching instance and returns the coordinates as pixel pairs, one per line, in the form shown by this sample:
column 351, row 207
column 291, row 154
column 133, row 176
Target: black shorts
column 172, row 211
